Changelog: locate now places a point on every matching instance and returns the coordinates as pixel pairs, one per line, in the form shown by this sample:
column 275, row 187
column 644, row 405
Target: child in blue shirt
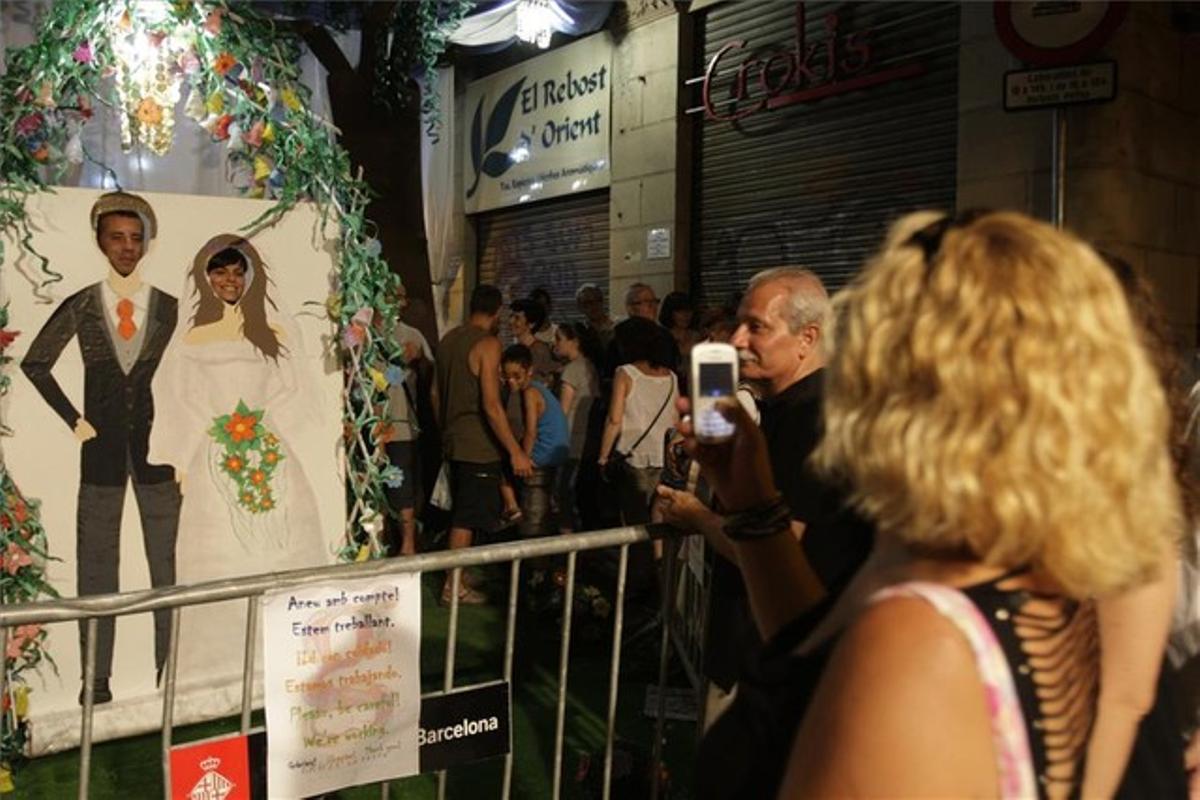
column 546, row 440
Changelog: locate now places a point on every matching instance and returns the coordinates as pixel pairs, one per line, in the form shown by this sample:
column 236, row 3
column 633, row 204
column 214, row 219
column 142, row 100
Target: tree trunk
column 387, row 147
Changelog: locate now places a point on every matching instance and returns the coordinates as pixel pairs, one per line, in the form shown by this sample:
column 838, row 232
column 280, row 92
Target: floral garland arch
column 243, row 87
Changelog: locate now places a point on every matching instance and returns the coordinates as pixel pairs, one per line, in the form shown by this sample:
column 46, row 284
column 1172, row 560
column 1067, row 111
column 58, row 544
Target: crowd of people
column 545, row 427
column 952, row 536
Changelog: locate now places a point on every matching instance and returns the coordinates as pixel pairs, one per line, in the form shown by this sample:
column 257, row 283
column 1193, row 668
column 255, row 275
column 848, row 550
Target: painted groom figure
column 123, row 326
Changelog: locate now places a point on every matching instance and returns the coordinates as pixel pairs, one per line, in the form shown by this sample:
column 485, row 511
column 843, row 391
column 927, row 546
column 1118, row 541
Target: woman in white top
column 640, row 413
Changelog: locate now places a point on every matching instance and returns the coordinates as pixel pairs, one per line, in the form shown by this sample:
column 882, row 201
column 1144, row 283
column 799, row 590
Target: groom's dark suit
column 116, row 402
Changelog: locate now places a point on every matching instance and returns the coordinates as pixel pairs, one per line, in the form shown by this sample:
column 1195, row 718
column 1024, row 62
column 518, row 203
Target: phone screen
column 716, row 382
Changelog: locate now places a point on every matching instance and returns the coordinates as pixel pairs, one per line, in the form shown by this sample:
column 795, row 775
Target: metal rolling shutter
column 557, row 244
column 816, row 184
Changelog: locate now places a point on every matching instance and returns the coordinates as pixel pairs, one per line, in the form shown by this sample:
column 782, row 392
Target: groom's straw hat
column 131, row 203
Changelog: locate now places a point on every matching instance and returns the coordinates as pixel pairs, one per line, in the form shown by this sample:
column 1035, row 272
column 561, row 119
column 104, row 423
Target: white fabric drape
column 440, row 196
column 195, row 164
column 499, row 24
column 496, row 25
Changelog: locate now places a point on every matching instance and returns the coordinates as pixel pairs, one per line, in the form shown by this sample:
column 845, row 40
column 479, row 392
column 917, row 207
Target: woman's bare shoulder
column 900, row 668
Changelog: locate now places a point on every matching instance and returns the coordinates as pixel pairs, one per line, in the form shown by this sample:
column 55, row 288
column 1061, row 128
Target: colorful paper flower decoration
column 83, row 53
column 249, row 455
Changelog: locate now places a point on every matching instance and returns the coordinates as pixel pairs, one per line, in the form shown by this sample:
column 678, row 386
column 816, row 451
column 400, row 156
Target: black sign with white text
column 467, row 725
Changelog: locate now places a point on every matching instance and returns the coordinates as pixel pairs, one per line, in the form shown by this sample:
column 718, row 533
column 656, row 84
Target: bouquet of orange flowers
column 250, row 454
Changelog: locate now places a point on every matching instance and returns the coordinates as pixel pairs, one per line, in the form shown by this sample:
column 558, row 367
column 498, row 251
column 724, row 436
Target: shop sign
column 467, row 725
column 765, row 78
column 1029, row 89
column 539, row 129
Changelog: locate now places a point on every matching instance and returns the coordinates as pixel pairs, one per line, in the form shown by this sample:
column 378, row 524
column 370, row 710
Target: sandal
column 466, row 596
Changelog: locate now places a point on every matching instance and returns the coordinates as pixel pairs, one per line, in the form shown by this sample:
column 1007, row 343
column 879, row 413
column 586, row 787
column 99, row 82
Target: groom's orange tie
column 125, row 326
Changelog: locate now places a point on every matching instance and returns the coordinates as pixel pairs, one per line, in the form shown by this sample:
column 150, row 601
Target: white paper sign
column 1060, row 86
column 658, row 243
column 342, row 680
column 539, row 129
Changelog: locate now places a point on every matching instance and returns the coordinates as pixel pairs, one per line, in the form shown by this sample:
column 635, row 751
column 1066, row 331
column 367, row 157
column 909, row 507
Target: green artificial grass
column 130, row 769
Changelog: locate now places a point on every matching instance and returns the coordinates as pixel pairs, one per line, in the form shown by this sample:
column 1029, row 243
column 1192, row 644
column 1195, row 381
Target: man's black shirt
column 836, row 540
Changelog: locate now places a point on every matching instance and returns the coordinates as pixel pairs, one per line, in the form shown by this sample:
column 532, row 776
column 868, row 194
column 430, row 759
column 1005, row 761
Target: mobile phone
column 676, row 461
column 714, row 378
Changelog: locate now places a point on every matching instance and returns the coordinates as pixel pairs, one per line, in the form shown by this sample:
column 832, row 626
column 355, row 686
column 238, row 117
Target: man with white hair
column 783, row 320
column 640, row 301
column 780, row 339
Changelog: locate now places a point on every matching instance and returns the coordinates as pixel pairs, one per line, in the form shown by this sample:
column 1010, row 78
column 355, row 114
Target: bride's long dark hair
column 223, row 250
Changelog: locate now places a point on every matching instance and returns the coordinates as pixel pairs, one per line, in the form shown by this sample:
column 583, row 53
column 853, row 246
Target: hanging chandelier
column 147, row 82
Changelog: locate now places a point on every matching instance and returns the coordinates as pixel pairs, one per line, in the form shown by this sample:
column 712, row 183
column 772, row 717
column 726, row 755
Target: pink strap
column 1014, row 763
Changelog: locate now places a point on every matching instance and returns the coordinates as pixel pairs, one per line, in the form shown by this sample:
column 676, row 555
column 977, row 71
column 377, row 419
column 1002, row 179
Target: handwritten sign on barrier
column 342, row 683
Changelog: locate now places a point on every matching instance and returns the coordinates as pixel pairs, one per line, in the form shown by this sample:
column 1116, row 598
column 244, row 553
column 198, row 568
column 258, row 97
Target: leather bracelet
column 761, row 522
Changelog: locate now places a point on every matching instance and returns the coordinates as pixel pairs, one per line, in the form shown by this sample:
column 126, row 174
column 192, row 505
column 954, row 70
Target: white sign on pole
column 539, row 129
column 342, row 684
column 1060, row 86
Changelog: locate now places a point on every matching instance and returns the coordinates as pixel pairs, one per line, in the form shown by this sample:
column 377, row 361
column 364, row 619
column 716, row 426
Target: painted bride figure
column 231, row 391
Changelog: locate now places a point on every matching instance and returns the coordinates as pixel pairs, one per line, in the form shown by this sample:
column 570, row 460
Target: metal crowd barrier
column 251, row 589
column 689, row 622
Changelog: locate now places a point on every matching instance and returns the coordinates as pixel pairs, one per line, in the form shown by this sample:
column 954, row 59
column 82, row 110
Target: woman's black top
column 1051, row 645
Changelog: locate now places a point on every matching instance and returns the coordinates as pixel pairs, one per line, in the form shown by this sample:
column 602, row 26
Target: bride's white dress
column 218, row 537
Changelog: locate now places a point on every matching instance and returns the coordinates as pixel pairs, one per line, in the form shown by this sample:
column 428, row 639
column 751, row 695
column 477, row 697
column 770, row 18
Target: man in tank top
column 475, row 431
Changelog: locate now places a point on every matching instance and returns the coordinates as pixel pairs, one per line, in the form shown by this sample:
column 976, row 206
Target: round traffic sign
column 1054, row 33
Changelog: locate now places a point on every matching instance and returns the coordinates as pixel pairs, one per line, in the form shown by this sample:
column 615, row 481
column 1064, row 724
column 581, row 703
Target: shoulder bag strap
column 650, row 427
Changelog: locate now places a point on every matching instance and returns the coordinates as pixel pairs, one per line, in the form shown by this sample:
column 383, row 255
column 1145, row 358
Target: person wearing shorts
column 475, row 432
column 476, row 492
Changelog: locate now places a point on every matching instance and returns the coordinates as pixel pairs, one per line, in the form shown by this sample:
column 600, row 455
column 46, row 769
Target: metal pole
column 89, row 703
column 510, row 639
column 451, row 641
column 12, row 705
column 614, row 670
column 248, row 663
column 664, row 655
column 564, row 656
column 72, row 609
column 1058, row 170
column 168, row 716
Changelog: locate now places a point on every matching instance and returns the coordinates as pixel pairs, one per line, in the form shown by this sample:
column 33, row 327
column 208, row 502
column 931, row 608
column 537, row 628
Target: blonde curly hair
column 988, row 396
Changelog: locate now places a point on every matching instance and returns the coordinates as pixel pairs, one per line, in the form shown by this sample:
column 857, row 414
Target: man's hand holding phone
column 738, row 467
